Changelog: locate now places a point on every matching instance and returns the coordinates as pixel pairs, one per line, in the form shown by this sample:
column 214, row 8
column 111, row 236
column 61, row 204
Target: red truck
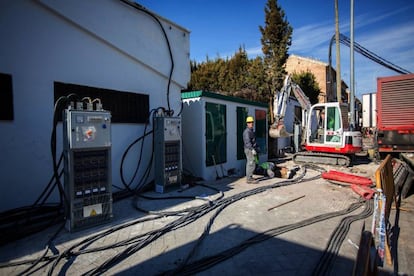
column 395, row 114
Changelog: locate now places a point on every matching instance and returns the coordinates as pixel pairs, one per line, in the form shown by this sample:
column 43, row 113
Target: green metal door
column 241, row 125
column 261, row 130
column 216, row 134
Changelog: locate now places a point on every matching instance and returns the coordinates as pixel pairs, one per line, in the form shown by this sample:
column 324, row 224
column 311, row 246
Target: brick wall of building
column 297, row 64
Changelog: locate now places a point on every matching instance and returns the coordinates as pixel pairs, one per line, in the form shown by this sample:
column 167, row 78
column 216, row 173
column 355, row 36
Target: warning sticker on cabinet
column 92, row 210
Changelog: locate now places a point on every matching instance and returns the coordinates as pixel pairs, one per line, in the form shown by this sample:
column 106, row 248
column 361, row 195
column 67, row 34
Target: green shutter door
column 216, row 133
column 241, row 125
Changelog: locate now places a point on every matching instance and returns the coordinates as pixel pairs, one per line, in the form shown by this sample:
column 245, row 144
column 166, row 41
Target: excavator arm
column 280, row 101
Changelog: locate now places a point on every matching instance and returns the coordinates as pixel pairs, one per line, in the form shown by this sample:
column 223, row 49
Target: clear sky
column 219, row 27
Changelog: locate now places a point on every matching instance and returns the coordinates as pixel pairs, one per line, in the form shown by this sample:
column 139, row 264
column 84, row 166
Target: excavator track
column 321, row 158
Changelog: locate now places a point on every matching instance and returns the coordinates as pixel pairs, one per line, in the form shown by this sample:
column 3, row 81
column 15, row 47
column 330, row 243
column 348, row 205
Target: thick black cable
column 179, row 212
column 121, row 168
column 38, row 207
column 145, row 175
column 147, row 171
column 184, row 197
column 337, row 237
column 28, row 211
column 28, row 271
column 68, row 253
column 144, row 180
column 198, row 242
column 181, row 109
column 60, row 104
column 155, row 234
column 16, row 214
column 210, row 223
column 153, row 16
column 144, row 239
column 49, row 188
column 25, row 221
column 183, row 221
column 53, row 147
column 372, row 56
column 142, row 137
column 88, row 241
column 366, row 53
column 209, row 261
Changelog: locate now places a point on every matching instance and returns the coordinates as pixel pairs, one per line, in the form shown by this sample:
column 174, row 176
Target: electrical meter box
column 168, row 155
column 87, row 153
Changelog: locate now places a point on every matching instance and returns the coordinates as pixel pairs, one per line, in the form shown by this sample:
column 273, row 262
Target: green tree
column 276, row 40
column 237, row 69
column 228, row 77
column 307, row 81
column 205, row 75
column 255, row 79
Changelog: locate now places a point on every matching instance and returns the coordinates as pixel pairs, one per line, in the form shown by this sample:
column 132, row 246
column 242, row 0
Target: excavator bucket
column 279, row 131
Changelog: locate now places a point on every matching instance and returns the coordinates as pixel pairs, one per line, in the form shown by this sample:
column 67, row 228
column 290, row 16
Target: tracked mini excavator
column 326, row 137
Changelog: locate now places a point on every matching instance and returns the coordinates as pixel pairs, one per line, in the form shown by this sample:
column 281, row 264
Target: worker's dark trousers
column 250, row 163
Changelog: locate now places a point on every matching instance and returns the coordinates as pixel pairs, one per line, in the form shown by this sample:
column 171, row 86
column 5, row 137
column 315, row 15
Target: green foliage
column 252, row 79
column 276, row 40
column 238, row 76
column 307, row 81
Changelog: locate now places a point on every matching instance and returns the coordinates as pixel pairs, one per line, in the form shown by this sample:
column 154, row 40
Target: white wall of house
column 105, row 44
column 194, row 137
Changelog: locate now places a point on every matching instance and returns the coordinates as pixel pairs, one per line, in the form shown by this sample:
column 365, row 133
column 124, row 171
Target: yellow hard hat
column 249, row 119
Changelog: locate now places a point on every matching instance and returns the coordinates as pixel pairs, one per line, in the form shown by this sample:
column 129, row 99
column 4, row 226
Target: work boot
column 251, row 180
column 270, row 173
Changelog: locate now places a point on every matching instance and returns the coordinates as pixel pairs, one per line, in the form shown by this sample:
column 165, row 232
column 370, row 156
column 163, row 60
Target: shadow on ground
column 237, row 251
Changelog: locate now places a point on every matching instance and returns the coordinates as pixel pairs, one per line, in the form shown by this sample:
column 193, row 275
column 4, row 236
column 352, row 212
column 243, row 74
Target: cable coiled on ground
column 337, row 238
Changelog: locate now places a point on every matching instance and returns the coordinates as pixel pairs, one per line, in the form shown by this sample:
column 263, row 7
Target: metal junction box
column 87, row 152
column 167, row 150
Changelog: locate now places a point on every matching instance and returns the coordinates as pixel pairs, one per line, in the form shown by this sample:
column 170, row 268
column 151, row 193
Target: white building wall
column 105, row 44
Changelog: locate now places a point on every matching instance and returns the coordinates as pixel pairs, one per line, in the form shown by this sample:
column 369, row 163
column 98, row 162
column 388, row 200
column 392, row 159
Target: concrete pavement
column 243, row 237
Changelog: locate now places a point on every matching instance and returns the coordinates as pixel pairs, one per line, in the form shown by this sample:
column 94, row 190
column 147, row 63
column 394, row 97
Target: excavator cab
column 326, row 125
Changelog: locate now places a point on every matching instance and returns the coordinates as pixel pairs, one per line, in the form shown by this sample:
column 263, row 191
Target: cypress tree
column 276, row 40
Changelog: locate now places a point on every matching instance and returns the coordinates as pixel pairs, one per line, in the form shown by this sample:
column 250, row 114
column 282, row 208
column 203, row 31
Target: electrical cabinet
column 87, row 170
column 168, row 153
